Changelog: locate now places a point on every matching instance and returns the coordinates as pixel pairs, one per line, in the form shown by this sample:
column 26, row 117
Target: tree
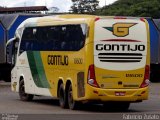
column 141, row 8
column 84, row 6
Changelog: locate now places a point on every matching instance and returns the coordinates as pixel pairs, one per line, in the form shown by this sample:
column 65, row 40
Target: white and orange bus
column 79, row 58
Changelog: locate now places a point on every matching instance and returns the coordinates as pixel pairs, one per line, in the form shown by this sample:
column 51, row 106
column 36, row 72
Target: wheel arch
column 21, row 77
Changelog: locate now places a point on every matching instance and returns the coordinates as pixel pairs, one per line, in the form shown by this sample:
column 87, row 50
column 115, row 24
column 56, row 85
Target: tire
column 24, row 96
column 120, row 106
column 71, row 102
column 62, row 97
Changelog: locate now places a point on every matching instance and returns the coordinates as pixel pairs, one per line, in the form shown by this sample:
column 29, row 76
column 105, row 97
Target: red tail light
column 145, row 82
column 142, row 19
column 97, row 18
column 91, row 76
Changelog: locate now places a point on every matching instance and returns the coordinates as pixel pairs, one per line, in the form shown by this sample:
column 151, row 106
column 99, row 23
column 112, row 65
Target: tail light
column 91, row 76
column 142, row 19
column 97, row 18
column 146, row 81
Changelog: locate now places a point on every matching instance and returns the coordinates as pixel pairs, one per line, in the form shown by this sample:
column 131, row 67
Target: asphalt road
column 46, row 108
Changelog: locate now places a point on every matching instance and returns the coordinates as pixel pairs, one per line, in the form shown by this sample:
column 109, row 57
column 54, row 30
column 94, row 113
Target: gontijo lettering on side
column 57, row 60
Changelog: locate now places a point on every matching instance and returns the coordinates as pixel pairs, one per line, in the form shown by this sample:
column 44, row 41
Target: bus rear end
column 120, row 71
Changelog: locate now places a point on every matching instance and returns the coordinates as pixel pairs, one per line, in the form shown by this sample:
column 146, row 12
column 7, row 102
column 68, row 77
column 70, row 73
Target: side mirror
column 10, row 41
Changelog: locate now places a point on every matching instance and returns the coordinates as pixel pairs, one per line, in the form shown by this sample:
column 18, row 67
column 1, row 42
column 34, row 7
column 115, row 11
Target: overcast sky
column 63, row 5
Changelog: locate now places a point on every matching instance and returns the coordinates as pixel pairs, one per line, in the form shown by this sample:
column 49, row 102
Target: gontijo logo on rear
column 120, row 29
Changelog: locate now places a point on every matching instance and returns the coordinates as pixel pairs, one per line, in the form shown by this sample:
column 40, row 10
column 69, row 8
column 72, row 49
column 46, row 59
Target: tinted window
column 54, row 38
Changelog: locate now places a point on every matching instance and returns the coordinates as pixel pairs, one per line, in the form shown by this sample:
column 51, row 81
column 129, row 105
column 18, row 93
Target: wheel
column 24, row 96
column 62, row 97
column 120, row 106
column 71, row 102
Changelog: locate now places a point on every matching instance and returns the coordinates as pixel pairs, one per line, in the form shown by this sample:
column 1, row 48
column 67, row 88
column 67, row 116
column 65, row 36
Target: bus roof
column 67, row 18
column 38, row 21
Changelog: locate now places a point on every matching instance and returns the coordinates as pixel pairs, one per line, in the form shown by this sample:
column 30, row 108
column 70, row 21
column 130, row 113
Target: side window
column 54, row 38
column 63, row 37
column 76, row 37
column 71, row 37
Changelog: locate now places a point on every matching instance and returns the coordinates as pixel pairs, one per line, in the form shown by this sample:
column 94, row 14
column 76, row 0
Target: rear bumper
column 131, row 95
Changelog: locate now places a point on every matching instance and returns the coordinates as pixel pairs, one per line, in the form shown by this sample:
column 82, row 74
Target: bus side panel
column 29, row 67
column 65, row 66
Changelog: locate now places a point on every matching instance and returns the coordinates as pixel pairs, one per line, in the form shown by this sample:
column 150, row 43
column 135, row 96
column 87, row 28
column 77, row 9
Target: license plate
column 120, row 93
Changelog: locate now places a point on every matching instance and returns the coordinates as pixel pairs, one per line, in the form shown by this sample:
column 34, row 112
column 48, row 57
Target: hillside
column 141, row 8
